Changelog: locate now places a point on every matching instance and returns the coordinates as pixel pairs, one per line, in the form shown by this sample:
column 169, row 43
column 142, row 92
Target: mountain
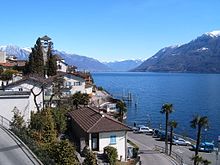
column 82, row 62
column 20, row 53
column 201, row 55
column 125, row 65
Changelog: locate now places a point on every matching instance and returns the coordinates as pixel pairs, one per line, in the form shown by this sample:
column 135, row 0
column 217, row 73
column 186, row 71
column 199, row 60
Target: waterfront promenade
column 149, row 157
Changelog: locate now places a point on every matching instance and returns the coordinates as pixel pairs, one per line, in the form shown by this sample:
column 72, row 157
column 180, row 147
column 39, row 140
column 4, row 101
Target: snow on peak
column 215, row 33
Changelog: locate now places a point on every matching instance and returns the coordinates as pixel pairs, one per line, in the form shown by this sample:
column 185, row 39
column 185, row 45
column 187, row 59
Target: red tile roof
column 92, row 121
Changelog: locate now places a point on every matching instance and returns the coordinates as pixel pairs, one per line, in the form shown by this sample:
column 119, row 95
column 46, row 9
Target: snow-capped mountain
column 201, row 55
column 21, row 53
column 122, row 66
column 82, row 62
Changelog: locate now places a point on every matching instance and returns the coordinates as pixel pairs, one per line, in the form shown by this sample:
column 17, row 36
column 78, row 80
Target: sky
column 107, row 30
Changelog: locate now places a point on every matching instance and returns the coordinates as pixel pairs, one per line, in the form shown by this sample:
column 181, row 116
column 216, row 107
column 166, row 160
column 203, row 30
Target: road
column 11, row 153
column 146, row 143
column 147, row 155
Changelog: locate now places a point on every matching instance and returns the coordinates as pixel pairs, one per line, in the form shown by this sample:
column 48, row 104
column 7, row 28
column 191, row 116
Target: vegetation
column 63, row 153
column 122, row 109
column 173, row 124
column 17, row 120
column 90, row 158
column 111, row 154
column 167, row 109
column 79, row 99
column 198, row 122
column 36, row 63
column 51, row 65
column 7, row 75
column 199, row 160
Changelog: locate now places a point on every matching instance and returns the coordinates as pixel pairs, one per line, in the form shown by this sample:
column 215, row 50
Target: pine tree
column 36, row 61
column 51, row 61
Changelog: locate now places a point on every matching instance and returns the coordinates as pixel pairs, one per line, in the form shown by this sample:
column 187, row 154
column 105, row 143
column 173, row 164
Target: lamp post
column 205, row 133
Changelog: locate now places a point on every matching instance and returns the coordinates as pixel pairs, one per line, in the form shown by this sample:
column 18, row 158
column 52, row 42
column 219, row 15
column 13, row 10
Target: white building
column 15, row 100
column 74, row 84
column 2, row 57
column 32, row 85
column 97, row 130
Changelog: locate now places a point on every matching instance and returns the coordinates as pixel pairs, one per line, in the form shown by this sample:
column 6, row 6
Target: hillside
column 201, row 55
column 123, row 66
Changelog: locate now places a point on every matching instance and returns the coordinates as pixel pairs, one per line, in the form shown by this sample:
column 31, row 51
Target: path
column 147, row 155
column 12, row 151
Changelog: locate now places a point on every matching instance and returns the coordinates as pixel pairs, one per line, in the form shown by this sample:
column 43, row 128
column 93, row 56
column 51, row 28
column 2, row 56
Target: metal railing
column 5, row 122
column 174, row 155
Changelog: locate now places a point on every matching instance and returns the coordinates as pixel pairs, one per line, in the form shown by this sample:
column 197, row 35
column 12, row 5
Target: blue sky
column 107, row 30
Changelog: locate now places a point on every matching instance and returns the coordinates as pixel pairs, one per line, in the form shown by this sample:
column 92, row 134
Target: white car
column 144, row 129
column 181, row 141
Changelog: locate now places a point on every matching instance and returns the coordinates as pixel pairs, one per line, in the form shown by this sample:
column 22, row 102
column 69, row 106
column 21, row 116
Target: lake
column 190, row 94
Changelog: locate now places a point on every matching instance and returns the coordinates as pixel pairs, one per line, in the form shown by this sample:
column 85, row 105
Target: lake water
column 190, row 94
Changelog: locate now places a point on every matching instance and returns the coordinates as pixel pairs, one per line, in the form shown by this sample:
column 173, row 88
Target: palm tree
column 200, row 122
column 122, row 109
column 173, row 124
column 167, row 109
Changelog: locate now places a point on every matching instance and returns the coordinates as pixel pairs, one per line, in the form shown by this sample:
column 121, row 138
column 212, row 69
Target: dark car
column 204, row 147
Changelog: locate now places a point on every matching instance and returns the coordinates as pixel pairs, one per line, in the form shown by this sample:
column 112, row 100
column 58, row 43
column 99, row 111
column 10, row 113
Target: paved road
column 11, row 153
column 147, row 155
column 148, row 143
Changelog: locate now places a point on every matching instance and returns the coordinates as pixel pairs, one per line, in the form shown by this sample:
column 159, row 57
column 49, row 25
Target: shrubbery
column 111, row 154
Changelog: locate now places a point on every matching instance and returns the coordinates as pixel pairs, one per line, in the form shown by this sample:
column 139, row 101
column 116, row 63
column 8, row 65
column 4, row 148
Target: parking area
column 183, row 151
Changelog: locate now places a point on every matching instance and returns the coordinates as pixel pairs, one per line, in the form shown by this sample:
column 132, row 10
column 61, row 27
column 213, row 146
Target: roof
column 46, row 38
column 8, row 93
column 32, row 78
column 7, row 64
column 92, row 121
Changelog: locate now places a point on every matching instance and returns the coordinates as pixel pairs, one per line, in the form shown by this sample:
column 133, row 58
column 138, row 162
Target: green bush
column 90, row 159
column 111, row 154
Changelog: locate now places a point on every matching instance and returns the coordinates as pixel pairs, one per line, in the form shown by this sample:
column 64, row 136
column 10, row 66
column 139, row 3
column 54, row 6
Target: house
column 14, row 100
column 61, row 65
column 97, row 130
column 33, row 85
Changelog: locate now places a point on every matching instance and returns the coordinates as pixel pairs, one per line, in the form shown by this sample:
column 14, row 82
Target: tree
column 59, row 119
column 8, row 75
column 122, row 109
column 51, row 65
column 63, row 153
column 198, row 122
column 199, row 160
column 18, row 120
column 90, row 158
column 167, row 109
column 173, row 124
column 76, row 99
column 36, row 60
column 43, row 127
column 84, row 99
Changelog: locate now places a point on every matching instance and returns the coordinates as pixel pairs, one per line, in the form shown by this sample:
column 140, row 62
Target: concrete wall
column 21, row 102
column 104, row 140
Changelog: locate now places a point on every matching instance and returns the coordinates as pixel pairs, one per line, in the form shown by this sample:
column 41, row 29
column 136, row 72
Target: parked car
column 144, row 129
column 204, row 147
column 156, row 133
column 181, row 141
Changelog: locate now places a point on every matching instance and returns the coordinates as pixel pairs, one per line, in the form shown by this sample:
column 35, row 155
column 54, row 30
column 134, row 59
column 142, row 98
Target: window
column 77, row 83
column 112, row 139
column 20, row 89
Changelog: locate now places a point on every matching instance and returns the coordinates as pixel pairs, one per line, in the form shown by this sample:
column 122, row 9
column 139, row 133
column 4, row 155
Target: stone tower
column 45, row 41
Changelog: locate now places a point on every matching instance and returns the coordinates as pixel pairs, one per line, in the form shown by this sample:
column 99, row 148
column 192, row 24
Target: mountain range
column 201, row 55
column 82, row 62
